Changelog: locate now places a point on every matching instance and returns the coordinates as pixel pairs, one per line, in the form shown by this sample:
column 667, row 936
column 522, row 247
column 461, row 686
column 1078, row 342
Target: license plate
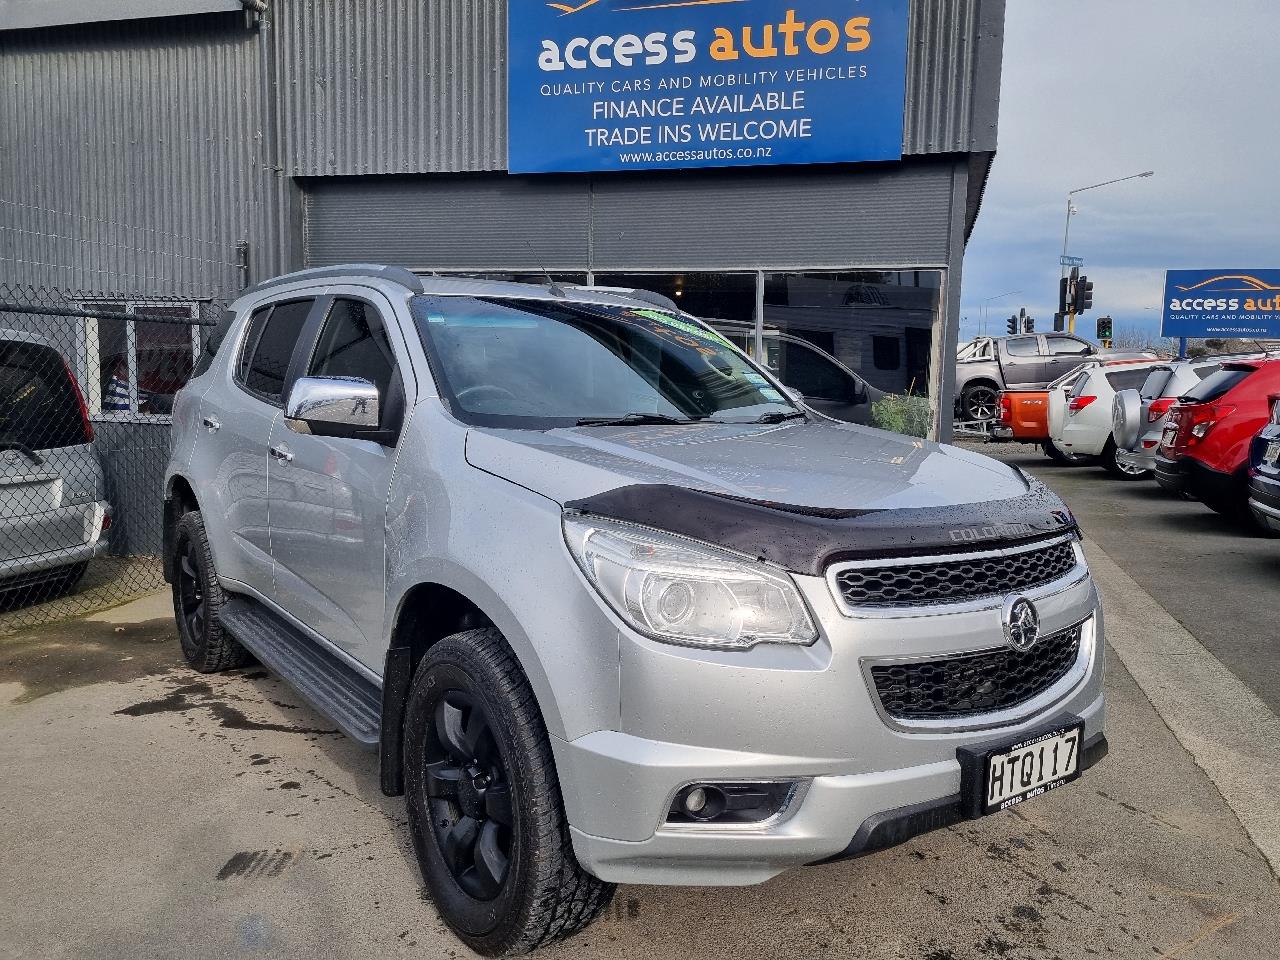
column 1272, row 454
column 999, row 776
column 1169, row 435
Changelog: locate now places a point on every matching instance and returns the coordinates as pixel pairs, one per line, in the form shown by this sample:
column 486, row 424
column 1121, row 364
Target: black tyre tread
column 966, row 397
column 221, row 651
column 566, row 898
column 1109, row 464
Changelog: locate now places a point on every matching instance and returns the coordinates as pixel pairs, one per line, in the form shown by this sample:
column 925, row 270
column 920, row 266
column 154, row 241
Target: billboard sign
column 655, row 84
column 1221, row 303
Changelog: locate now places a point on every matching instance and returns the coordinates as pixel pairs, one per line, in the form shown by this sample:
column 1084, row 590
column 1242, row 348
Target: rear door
column 236, row 418
column 1021, row 362
column 328, row 495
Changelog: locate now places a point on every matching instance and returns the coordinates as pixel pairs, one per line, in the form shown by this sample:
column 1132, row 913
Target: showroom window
column 130, row 369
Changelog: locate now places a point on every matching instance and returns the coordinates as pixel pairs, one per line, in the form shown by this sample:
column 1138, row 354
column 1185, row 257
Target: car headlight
column 681, row 591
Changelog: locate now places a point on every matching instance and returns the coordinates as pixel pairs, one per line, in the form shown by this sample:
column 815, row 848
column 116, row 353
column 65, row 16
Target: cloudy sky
column 1187, row 89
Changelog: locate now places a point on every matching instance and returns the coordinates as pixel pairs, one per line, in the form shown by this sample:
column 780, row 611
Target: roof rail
column 635, row 293
column 410, row 281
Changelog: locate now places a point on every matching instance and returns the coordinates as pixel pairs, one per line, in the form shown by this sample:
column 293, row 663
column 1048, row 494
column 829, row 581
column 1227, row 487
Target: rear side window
column 1068, row 346
column 1155, row 383
column 40, row 406
column 1023, row 347
column 270, row 348
column 1214, row 386
column 1126, row 379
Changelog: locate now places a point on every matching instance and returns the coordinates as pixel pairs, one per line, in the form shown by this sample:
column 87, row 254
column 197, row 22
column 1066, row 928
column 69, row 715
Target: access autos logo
column 1204, row 295
column 791, row 36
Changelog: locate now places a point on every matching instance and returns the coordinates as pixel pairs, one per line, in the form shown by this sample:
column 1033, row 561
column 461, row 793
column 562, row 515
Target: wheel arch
column 426, row 613
column 179, row 498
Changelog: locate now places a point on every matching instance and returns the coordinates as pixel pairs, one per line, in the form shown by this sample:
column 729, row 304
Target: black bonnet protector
column 805, row 540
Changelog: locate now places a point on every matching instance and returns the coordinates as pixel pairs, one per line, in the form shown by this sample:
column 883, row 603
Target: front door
column 329, row 495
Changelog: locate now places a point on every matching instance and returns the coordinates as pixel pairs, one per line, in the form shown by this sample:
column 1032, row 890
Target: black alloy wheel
column 197, row 600
column 469, row 791
column 193, row 611
column 980, row 402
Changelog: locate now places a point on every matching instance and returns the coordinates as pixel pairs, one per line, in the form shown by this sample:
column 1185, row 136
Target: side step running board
column 330, row 685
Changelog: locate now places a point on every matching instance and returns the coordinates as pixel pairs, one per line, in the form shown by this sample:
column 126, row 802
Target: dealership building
column 188, row 148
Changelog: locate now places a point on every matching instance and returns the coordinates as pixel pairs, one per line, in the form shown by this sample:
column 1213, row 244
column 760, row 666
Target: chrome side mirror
column 333, row 407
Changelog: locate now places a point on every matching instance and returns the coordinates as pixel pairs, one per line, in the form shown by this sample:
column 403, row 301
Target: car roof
column 22, row 336
column 398, row 279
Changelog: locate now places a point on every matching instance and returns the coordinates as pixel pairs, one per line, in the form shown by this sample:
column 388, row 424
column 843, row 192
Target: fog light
column 695, row 801
column 739, row 803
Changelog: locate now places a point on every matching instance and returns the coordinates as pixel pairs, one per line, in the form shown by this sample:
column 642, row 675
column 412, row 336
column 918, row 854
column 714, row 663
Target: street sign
column 1071, row 261
column 1221, row 303
column 653, row 84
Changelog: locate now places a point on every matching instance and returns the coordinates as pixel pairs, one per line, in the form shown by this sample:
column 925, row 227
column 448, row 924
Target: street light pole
column 1066, row 233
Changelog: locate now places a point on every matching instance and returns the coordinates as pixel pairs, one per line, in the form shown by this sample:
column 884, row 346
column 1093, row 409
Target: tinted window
column 1022, row 347
column 354, row 343
column 39, row 407
column 1066, row 345
column 269, row 361
column 251, row 336
column 1155, row 383
column 885, row 353
column 1212, row 387
column 813, row 374
column 1126, row 379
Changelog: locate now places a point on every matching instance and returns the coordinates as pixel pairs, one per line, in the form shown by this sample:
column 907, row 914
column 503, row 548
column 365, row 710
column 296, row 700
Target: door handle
column 281, row 453
column 212, row 424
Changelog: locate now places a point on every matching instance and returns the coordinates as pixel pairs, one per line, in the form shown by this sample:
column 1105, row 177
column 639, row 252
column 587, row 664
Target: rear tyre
column 1117, row 469
column 979, row 401
column 484, row 803
column 1052, row 451
column 198, row 599
column 69, row 578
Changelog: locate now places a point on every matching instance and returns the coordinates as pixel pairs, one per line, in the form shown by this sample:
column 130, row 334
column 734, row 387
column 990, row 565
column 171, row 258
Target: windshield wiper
column 23, row 449
column 781, row 417
column 632, row 419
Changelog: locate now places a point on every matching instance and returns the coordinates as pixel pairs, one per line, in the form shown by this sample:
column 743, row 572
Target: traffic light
column 1082, row 295
column 1064, row 286
column 1029, row 325
column 1012, row 324
column 1059, row 322
column 1105, row 328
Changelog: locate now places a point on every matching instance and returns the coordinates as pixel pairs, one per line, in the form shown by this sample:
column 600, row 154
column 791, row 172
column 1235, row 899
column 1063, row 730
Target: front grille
column 954, row 580
column 974, row 683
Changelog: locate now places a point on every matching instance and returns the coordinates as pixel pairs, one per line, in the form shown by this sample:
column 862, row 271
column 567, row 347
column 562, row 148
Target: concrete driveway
column 147, row 811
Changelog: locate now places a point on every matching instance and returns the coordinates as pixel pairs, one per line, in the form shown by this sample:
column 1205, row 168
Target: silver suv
column 611, row 606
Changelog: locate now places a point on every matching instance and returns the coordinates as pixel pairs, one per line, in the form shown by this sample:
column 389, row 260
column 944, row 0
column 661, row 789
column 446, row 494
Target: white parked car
column 1080, row 418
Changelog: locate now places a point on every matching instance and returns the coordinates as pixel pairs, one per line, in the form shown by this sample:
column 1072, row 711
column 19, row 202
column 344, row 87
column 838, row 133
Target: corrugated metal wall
column 692, row 221
column 419, row 86
column 131, row 156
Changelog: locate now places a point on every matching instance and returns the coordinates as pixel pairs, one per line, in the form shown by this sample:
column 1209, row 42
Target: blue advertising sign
column 653, row 84
column 1221, row 303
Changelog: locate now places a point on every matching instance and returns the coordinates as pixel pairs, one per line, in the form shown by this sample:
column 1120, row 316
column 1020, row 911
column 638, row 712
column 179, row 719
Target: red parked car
column 1204, row 451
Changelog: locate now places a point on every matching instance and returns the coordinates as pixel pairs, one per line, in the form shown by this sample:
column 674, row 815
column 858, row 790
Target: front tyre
column 484, row 803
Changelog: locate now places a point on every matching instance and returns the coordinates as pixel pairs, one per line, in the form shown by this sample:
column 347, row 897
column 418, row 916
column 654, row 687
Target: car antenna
column 551, row 284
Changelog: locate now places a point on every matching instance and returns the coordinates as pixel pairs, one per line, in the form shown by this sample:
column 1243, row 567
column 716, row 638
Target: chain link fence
column 86, row 390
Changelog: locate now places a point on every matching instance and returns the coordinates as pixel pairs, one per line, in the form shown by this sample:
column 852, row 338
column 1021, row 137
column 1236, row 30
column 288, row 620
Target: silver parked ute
column 610, row 605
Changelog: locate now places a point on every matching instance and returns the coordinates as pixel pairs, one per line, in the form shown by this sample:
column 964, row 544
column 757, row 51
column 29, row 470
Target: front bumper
column 1264, row 501
column 792, row 714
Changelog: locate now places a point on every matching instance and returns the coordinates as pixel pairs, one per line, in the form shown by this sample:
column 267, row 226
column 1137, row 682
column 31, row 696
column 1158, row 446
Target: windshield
column 540, row 364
